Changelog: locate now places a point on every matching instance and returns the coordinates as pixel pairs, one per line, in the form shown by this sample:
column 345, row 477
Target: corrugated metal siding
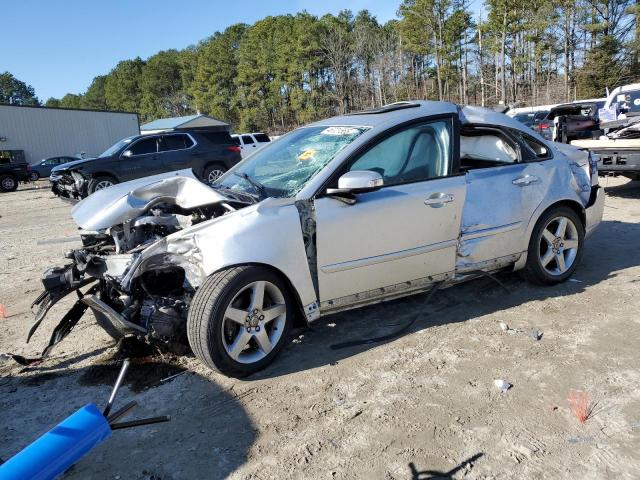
column 47, row 132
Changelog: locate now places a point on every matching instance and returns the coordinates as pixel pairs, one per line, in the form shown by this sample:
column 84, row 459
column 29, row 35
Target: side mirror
column 127, row 153
column 352, row 183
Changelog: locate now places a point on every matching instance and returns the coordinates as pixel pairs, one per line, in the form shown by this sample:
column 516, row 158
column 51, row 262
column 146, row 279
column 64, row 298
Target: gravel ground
column 419, row 406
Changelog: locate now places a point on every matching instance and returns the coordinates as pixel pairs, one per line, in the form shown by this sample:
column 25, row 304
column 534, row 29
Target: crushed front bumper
column 71, row 185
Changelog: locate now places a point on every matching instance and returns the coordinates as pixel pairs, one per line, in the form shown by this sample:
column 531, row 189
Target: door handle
column 525, row 180
column 438, row 200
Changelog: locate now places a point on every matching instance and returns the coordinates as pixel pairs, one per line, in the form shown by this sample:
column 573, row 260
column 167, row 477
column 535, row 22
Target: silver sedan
column 341, row 213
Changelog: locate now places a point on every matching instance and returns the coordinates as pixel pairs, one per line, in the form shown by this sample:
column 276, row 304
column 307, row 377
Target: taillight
column 234, row 148
column 544, row 126
column 29, row 167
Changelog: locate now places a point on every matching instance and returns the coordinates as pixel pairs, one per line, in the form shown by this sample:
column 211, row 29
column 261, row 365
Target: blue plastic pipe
column 58, row 449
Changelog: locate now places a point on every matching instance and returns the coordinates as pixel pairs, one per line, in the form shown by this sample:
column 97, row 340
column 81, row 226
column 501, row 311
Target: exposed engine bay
column 149, row 301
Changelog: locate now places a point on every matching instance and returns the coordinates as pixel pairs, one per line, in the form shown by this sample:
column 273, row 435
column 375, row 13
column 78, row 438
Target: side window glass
column 147, row 145
column 247, row 140
column 540, row 151
column 418, row 153
column 174, row 142
column 261, row 138
column 484, row 150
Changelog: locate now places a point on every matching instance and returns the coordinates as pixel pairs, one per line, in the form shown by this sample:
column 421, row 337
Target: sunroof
column 387, row 108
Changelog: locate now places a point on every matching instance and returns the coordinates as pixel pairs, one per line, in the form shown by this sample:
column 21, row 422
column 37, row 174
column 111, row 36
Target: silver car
column 341, row 213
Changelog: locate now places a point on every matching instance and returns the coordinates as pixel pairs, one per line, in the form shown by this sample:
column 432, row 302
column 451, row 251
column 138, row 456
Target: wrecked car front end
column 68, row 183
column 128, row 292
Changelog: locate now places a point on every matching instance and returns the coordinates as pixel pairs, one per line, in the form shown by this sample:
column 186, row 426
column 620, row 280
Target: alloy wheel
column 8, row 183
column 559, row 245
column 214, row 175
column 103, row 184
column 254, row 322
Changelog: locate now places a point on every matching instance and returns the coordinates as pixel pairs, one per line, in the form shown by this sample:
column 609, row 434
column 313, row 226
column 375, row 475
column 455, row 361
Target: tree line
column 284, row 71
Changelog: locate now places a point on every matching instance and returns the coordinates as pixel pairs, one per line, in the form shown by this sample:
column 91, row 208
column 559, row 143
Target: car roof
column 377, row 117
column 406, row 111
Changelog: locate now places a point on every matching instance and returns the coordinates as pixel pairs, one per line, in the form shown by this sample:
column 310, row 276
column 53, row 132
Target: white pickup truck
column 250, row 142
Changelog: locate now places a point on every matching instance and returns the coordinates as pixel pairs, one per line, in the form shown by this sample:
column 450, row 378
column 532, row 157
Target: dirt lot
column 419, row 406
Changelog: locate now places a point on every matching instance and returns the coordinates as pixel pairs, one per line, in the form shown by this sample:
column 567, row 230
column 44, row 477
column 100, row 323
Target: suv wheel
column 240, row 319
column 8, row 183
column 555, row 247
column 100, row 183
column 213, row 172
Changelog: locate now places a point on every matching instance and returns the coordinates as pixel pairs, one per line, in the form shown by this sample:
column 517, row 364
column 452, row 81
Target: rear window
column 629, row 101
column 261, row 137
column 540, row 151
column 217, row 138
column 524, row 117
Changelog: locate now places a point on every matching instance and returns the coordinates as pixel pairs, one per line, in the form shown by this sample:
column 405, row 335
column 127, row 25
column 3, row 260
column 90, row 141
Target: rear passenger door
column 175, row 151
column 505, row 185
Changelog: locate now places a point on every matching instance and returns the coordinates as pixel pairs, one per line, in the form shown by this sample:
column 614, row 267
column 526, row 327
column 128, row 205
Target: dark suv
column 208, row 153
column 13, row 169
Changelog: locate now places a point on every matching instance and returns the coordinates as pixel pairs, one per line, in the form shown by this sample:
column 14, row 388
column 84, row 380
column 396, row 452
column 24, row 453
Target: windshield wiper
column 258, row 187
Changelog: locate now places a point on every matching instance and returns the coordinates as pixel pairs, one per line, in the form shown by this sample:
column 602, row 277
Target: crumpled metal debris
column 502, row 385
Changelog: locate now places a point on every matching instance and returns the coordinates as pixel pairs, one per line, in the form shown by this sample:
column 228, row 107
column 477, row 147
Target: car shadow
column 627, row 190
column 209, row 434
column 325, row 342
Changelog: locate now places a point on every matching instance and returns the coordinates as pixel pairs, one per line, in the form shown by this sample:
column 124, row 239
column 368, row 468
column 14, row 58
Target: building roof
column 189, row 121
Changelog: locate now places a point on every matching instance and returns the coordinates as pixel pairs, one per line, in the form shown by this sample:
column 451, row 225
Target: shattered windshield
column 283, row 167
column 115, row 147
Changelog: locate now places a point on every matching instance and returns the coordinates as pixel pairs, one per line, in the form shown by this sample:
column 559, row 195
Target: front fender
column 268, row 233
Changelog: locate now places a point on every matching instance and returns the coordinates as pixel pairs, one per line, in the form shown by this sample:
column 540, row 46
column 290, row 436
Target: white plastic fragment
column 504, row 326
column 502, row 385
column 536, row 334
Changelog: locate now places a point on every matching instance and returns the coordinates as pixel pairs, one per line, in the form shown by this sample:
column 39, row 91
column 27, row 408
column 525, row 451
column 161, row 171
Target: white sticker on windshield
column 340, row 131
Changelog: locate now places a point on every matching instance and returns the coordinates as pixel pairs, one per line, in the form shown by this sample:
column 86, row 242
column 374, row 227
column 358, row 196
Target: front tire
column 99, row 183
column 8, row 183
column 240, row 319
column 555, row 247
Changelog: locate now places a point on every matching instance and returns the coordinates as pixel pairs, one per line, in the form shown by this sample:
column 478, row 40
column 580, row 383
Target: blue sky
column 59, row 46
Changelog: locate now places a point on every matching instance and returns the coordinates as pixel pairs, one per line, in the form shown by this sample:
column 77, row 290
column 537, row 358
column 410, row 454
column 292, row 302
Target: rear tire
column 555, row 247
column 213, row 172
column 34, row 177
column 99, row 183
column 8, row 183
column 235, row 329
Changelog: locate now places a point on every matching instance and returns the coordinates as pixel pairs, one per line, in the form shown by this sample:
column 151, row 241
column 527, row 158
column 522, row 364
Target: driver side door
column 402, row 236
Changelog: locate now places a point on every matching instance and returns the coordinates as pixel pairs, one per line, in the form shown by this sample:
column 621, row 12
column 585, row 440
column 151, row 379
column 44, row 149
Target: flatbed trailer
column 619, row 156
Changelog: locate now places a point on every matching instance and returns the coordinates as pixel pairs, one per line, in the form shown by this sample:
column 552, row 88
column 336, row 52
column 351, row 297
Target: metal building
column 40, row 132
column 182, row 123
